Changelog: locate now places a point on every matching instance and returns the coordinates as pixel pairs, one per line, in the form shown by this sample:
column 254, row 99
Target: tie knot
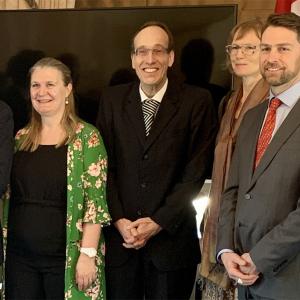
column 151, row 102
column 275, row 103
column 150, row 106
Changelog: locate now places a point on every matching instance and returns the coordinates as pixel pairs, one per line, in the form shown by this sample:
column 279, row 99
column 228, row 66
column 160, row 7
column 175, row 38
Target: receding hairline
column 148, row 27
column 162, row 26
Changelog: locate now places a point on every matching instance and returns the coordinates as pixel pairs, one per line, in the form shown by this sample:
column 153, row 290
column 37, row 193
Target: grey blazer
column 260, row 210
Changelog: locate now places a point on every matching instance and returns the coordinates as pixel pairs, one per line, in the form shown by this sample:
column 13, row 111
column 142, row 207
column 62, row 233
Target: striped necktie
column 267, row 130
column 150, row 108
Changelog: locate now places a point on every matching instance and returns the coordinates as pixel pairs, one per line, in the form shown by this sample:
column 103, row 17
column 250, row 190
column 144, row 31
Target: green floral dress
column 86, row 202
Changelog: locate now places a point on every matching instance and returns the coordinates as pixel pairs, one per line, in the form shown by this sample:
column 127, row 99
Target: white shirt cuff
column 221, row 252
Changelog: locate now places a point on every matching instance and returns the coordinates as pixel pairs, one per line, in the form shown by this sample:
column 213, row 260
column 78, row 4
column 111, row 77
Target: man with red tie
column 259, row 224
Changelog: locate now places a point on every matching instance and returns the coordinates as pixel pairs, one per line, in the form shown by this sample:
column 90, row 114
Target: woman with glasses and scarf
column 251, row 89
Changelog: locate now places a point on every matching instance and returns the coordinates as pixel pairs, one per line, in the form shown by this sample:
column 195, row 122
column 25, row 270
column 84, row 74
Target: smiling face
column 280, row 58
column 48, row 92
column 151, row 66
column 244, row 65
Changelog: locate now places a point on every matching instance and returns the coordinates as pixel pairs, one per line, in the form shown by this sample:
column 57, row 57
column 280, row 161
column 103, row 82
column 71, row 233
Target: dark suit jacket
column 6, row 152
column 260, row 211
column 160, row 175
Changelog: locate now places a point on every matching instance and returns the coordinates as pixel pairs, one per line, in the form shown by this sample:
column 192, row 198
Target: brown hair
column 241, row 29
column 163, row 26
column 287, row 20
column 69, row 119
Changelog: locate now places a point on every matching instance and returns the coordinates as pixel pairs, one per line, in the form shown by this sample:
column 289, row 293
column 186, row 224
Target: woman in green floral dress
column 55, row 134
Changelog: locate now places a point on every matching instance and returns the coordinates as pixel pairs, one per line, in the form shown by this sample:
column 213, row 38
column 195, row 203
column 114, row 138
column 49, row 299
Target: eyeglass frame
column 243, row 48
column 157, row 51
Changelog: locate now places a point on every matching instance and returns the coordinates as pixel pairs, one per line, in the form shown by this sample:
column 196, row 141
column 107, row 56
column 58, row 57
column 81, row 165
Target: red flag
column 283, row 6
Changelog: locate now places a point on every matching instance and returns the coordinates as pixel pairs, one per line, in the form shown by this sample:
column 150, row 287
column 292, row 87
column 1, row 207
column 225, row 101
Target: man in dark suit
column 6, row 153
column 259, row 225
column 155, row 170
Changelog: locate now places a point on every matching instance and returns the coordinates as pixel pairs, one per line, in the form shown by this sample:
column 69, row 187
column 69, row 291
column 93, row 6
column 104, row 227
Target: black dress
column 37, row 224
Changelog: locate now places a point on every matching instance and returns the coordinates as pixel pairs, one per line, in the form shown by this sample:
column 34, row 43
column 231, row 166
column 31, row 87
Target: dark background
column 96, row 46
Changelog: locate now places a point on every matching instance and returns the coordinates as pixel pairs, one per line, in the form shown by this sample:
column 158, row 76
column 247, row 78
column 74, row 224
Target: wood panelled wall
column 27, row 4
column 247, row 9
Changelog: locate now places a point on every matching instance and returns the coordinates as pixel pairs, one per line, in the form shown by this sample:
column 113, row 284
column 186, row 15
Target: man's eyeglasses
column 157, row 51
column 246, row 49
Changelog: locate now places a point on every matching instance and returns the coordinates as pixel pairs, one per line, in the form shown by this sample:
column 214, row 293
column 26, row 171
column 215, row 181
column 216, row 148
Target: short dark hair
column 287, row 20
column 163, row 26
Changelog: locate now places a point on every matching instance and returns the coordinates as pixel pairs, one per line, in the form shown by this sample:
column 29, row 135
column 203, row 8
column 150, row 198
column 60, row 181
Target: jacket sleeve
column 6, row 145
column 105, row 125
column 94, row 179
column 178, row 204
column 226, row 220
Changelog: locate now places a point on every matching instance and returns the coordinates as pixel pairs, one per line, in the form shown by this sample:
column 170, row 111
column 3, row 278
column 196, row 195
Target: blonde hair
column 69, row 119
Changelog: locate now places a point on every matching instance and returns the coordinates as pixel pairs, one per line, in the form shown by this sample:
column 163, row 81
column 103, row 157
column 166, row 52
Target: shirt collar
column 158, row 96
column 288, row 97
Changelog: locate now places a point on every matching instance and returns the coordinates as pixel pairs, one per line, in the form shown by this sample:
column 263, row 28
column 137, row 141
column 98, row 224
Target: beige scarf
column 211, row 272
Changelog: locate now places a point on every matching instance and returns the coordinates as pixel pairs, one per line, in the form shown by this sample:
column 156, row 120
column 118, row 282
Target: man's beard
column 285, row 76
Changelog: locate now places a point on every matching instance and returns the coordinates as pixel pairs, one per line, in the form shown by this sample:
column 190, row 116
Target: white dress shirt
column 158, row 96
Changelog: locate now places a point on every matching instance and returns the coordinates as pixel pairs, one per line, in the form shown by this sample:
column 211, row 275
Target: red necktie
column 267, row 130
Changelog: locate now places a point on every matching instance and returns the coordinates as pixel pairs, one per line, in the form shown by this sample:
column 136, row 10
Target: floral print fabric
column 86, row 202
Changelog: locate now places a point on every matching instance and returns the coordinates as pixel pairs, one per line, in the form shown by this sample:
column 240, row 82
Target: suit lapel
column 252, row 139
column 133, row 108
column 167, row 109
column 289, row 125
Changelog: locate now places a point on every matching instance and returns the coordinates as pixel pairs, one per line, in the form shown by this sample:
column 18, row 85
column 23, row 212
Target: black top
column 37, row 214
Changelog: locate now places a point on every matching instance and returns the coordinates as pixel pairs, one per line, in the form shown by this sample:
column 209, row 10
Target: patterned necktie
column 150, row 108
column 267, row 130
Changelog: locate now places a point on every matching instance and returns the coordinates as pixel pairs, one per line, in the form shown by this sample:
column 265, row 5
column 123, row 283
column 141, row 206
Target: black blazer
column 6, row 152
column 160, row 175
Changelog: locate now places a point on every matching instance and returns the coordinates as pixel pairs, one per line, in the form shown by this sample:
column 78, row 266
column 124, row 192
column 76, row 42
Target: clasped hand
column 240, row 268
column 137, row 233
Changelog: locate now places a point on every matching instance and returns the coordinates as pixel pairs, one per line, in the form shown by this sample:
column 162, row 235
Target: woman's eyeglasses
column 246, row 49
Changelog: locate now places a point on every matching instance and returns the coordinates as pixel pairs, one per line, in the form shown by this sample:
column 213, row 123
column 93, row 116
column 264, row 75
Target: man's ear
column 171, row 58
column 133, row 61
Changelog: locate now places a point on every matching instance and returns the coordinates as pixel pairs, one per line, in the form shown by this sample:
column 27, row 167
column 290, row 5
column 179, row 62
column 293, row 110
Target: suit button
column 139, row 212
column 143, row 185
column 247, row 197
column 146, row 156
